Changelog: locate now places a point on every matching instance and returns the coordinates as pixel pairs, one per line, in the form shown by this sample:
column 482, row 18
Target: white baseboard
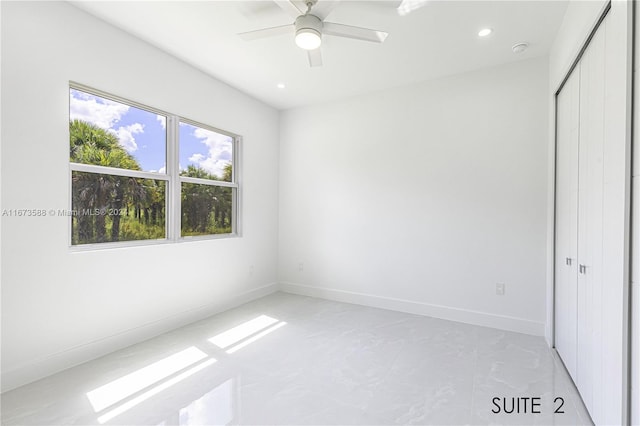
column 54, row 363
column 484, row 319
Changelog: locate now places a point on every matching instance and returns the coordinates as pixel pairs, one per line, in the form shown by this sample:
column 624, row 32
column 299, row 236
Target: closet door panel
column 566, row 278
column 615, row 238
column 590, row 236
column 584, row 298
column 596, row 357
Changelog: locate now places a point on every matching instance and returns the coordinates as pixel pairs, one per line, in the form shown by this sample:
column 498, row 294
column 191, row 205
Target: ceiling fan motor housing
column 308, row 24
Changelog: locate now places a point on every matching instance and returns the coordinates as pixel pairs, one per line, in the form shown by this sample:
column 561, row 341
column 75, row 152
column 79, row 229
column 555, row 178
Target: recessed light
column 280, row 86
column 484, row 32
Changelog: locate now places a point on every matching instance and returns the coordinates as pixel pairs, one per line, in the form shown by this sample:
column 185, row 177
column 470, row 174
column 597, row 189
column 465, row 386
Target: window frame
column 173, row 213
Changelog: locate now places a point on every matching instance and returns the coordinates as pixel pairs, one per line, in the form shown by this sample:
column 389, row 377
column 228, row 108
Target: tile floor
column 287, row 359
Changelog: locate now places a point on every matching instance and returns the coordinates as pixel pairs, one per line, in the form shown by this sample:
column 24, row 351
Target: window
column 142, row 174
column 206, row 191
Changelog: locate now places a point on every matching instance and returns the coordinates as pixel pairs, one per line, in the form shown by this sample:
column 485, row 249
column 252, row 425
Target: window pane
column 205, row 154
column 113, row 134
column 116, row 208
column 206, row 209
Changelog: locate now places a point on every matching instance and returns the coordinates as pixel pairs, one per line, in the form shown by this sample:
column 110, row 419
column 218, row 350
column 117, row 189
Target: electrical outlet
column 500, row 288
column 300, row 267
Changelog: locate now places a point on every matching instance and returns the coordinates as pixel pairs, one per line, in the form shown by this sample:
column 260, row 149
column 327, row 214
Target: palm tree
column 223, row 207
column 228, row 171
column 90, row 144
column 198, row 202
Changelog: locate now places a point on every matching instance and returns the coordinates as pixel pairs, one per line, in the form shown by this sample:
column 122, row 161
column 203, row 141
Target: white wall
column 579, row 20
column 422, row 198
column 59, row 307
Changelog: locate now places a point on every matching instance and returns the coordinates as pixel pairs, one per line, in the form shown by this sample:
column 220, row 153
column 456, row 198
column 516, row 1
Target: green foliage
column 118, row 208
column 206, row 209
column 133, row 229
column 227, row 174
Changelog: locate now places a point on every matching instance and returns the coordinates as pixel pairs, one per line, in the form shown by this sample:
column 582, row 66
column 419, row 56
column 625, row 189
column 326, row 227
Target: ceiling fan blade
column 408, row 6
column 315, row 57
column 258, row 9
column 358, row 33
column 323, row 8
column 289, row 7
column 267, row 32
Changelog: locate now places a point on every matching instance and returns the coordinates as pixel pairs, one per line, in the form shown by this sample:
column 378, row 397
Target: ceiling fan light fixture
column 308, row 29
column 308, row 32
column 308, row 39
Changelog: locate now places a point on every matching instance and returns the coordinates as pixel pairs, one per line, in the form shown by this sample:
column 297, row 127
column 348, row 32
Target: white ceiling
column 436, row 40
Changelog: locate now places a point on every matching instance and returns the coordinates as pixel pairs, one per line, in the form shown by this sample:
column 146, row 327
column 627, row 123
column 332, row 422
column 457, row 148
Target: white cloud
column 104, row 114
column 162, row 120
column 126, row 138
column 219, row 151
column 196, row 158
column 101, row 112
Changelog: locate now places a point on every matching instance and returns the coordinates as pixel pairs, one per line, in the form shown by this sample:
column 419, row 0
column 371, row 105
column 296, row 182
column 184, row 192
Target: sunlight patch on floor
column 119, row 389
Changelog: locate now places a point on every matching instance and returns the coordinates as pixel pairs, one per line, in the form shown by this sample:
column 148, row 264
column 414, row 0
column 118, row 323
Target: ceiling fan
column 309, row 29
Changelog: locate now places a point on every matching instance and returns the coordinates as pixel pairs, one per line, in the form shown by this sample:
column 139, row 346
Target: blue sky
column 143, row 134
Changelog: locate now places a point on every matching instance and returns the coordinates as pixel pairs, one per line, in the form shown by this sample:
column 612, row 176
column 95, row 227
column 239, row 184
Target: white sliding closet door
column 566, row 273
column 592, row 204
column 590, row 226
